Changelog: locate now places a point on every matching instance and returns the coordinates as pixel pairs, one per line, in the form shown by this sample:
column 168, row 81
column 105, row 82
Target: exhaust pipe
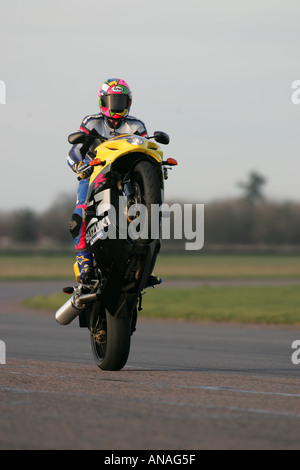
column 73, row 307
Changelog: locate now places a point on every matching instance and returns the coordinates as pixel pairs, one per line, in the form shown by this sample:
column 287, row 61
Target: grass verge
column 278, row 305
column 182, row 266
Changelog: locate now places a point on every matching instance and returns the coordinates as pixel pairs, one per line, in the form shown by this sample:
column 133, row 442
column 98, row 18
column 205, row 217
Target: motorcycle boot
column 84, row 261
column 153, row 281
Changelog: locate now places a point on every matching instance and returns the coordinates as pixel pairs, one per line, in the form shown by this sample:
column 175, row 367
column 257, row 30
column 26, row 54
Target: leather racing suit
column 128, row 125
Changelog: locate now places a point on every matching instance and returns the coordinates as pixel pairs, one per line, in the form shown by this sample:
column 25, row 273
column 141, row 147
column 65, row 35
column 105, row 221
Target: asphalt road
column 186, row 386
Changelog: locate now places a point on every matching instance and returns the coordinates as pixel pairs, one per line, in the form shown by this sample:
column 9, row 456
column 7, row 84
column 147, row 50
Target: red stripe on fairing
column 99, row 180
column 145, row 135
column 84, row 130
column 81, row 206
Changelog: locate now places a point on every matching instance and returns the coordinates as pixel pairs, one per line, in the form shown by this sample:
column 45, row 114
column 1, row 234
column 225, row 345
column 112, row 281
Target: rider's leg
column 78, row 227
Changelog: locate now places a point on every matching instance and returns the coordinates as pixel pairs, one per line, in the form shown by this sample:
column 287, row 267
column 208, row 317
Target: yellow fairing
column 116, row 147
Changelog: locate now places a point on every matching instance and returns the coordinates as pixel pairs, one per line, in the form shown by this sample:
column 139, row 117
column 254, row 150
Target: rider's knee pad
column 75, row 225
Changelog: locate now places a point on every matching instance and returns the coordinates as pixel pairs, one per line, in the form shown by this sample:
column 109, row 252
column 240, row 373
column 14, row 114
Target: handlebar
column 81, row 137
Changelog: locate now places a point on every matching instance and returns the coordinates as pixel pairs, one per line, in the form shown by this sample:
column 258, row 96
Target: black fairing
column 115, row 256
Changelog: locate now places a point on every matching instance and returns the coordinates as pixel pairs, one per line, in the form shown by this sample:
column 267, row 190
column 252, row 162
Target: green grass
column 46, row 302
column 227, row 266
column 36, row 267
column 245, row 304
column 278, row 305
column 183, row 266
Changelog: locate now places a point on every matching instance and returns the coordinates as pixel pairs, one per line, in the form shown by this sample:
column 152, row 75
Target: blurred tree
column 25, row 226
column 253, row 187
column 54, row 222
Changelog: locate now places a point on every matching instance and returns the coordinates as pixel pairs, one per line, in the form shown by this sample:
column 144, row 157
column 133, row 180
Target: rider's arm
column 75, row 155
column 141, row 129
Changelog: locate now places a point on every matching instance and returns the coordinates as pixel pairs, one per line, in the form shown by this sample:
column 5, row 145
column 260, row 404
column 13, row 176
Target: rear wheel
column 110, row 338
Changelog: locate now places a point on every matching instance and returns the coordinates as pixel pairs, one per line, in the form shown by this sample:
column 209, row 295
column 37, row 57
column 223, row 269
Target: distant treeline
column 226, row 223
column 262, row 223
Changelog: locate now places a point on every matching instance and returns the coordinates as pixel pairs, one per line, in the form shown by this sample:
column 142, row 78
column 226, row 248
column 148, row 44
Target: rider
column 115, row 100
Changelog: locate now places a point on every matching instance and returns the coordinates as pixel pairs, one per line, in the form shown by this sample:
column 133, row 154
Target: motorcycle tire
column 147, row 191
column 112, row 354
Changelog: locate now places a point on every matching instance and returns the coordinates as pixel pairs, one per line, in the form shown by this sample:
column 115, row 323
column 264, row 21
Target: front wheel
column 147, row 192
column 110, row 338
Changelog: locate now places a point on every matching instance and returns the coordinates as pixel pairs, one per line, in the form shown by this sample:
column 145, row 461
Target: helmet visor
column 115, row 102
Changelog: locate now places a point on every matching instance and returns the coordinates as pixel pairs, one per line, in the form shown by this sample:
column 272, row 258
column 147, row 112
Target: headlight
column 135, row 140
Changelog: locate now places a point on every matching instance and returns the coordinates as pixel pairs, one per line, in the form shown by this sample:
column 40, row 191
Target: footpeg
column 68, row 290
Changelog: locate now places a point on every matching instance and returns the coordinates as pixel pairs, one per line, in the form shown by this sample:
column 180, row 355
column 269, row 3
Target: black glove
column 83, row 170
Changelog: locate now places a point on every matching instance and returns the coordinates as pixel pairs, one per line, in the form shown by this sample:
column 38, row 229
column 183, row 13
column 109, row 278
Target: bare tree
column 253, row 187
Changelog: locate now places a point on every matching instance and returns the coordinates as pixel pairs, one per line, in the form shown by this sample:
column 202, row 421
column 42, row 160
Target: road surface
column 186, row 386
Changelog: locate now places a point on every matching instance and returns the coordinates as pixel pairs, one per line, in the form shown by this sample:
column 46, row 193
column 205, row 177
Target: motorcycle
column 127, row 182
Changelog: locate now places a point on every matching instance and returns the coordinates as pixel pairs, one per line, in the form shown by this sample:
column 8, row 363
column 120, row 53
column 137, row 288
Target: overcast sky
column 217, row 76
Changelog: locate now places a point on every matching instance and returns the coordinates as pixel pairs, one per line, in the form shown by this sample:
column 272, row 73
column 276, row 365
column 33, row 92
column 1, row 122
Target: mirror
column 161, row 137
column 78, row 138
